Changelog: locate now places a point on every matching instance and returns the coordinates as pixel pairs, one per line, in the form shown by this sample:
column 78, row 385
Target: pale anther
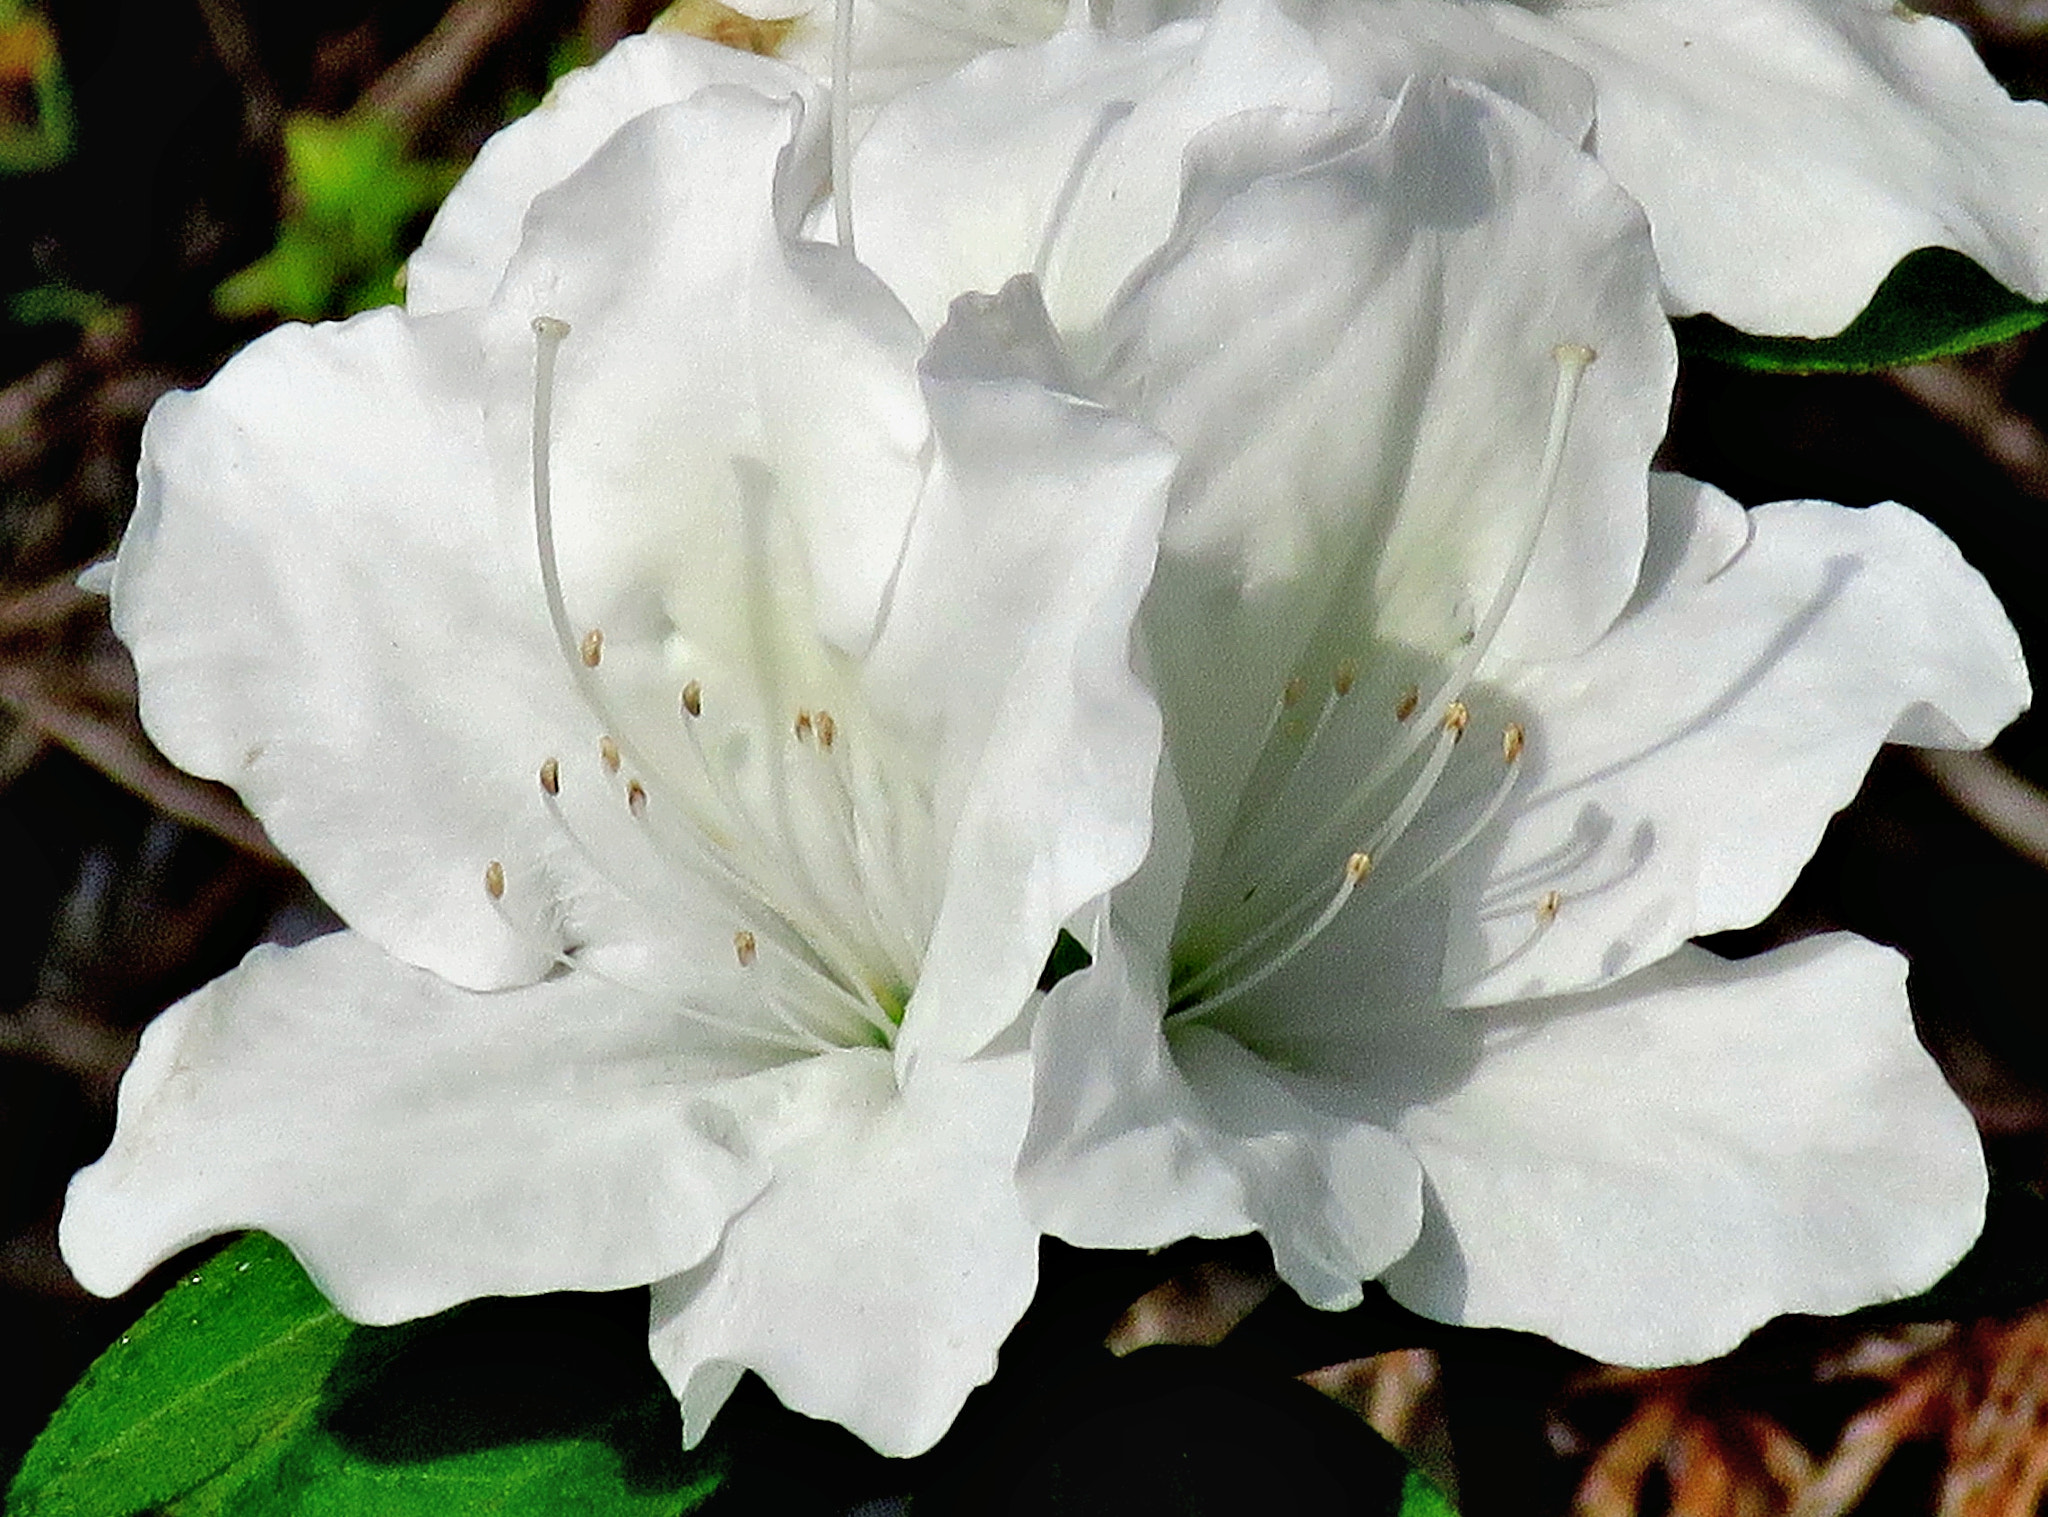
column 494, row 880
column 1345, row 677
column 693, row 699
column 592, row 648
column 803, row 726
column 1511, row 742
column 1546, row 909
column 743, row 946
column 551, row 777
column 1357, row 867
column 1293, row 691
column 1457, row 717
column 608, row 750
column 827, row 729
column 1410, row 699
column 636, row 798
column 1574, row 353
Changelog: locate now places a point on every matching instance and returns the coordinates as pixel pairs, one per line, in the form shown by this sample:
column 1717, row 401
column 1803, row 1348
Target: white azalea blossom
column 1467, row 734
column 704, row 704
column 1754, row 132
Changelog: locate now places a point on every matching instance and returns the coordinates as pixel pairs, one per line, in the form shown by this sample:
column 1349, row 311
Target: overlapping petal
column 617, row 648
column 874, row 1282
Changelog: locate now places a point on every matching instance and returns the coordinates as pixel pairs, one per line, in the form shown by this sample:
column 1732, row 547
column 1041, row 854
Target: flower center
column 793, row 821
column 1373, row 773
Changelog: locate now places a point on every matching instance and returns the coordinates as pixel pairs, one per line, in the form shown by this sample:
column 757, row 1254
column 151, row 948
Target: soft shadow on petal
column 414, row 1144
column 874, row 1280
column 1648, row 1172
column 1683, row 770
column 1759, row 131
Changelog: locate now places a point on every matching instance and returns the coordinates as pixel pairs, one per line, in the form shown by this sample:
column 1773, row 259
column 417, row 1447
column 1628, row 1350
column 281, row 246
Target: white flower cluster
column 1181, row 479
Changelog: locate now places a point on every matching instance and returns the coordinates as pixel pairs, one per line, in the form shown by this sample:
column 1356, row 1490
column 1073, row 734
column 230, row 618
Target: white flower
column 704, row 706
column 1467, row 731
column 1789, row 152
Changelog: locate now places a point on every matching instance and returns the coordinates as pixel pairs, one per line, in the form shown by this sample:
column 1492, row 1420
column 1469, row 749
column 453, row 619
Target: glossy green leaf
column 243, row 1394
column 1935, row 304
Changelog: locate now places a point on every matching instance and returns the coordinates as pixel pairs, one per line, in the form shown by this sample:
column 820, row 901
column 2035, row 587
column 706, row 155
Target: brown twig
column 419, row 86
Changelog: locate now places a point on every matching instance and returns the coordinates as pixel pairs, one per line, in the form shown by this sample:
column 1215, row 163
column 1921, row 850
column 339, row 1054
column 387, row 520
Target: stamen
column 743, row 946
column 827, row 730
column 550, row 777
column 636, row 798
column 1293, row 691
column 494, row 880
column 1357, row 869
column 1511, row 742
column 592, row 648
column 1572, row 359
column 1410, row 699
column 1345, row 677
column 842, row 123
column 693, row 699
column 803, row 726
column 608, row 751
column 1547, row 907
column 1456, row 718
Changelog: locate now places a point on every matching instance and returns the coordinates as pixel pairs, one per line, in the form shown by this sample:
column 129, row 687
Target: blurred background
column 178, row 175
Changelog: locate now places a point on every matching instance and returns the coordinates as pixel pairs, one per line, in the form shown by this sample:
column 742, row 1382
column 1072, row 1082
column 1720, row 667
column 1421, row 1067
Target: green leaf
column 1935, row 304
column 353, row 196
column 244, row 1394
column 1421, row 1497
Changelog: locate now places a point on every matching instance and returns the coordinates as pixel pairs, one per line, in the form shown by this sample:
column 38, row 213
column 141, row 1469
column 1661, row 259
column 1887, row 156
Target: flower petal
column 1062, row 160
column 874, row 1279
column 1008, row 649
column 476, row 231
column 414, row 1144
column 1671, row 796
column 1139, row 1138
column 324, row 614
column 1647, row 1172
column 1759, row 131
column 1351, row 336
column 714, row 366
column 901, row 43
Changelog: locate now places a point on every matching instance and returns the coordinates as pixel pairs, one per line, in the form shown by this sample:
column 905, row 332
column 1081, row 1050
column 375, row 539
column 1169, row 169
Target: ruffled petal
column 1062, row 160
column 875, row 1278
column 1140, row 1137
column 1121, row 1153
column 1648, row 1172
column 1682, row 771
column 414, row 1144
column 1790, row 152
column 324, row 614
column 474, row 234
column 1007, row 655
